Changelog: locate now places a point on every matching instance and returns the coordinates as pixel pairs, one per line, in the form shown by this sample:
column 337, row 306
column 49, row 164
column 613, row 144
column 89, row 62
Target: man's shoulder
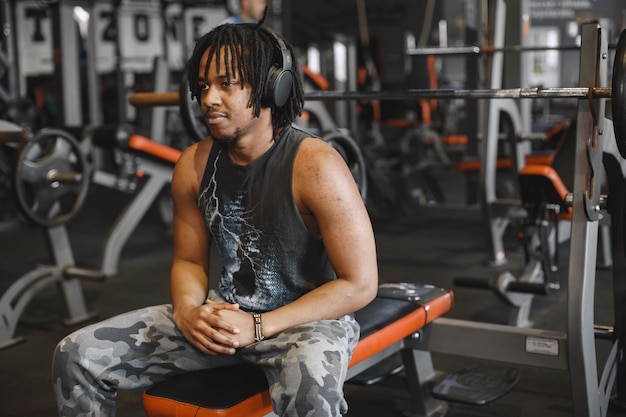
column 298, row 133
column 197, row 152
column 313, row 149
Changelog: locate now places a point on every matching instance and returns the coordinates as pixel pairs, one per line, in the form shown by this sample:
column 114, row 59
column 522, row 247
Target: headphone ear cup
column 278, row 86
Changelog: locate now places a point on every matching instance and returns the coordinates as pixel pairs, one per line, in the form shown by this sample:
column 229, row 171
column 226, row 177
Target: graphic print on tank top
column 249, row 276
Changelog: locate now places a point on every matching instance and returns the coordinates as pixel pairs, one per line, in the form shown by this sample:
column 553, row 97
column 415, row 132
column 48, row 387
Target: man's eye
column 203, row 87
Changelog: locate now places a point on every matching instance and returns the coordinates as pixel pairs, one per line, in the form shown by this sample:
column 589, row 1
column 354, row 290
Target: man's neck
column 247, row 149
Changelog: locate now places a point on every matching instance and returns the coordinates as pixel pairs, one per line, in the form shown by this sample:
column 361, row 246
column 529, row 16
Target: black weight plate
column 618, row 94
column 51, row 177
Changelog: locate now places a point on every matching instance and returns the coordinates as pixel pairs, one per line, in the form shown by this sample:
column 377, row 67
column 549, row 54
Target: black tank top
column 269, row 256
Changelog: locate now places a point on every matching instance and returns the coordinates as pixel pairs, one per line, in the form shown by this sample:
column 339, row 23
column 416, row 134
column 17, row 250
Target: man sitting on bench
column 295, row 238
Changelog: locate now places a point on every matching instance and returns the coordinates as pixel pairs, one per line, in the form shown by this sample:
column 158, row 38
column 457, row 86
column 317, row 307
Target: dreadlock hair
column 251, row 51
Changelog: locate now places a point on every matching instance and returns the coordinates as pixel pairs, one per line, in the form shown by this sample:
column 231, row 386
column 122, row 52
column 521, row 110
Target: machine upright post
column 583, row 243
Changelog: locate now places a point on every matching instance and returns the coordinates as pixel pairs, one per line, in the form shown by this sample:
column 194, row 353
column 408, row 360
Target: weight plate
column 51, row 177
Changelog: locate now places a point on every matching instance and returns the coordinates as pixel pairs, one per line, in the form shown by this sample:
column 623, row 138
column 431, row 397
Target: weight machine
column 51, row 179
column 573, row 350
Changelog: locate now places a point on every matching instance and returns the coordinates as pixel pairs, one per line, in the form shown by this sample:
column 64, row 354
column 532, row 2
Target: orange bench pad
column 146, row 145
column 257, row 405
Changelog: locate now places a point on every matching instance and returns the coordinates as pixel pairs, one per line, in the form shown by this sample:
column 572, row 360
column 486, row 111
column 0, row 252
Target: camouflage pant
column 305, row 366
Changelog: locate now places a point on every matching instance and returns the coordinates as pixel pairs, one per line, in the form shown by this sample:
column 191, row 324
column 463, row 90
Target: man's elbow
column 369, row 289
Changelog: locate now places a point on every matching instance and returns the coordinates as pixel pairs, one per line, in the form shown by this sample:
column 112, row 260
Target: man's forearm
column 188, row 285
column 330, row 301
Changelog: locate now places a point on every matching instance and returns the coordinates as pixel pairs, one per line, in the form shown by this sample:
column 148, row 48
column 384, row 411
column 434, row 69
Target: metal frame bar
column 584, row 237
column 16, row 298
column 478, row 50
column 158, row 176
column 495, row 342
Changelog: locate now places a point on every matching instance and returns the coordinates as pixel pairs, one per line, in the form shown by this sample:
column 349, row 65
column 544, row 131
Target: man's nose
column 211, row 97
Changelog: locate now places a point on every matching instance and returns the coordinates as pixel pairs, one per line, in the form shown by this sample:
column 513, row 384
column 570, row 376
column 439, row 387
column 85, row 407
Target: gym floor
column 424, row 248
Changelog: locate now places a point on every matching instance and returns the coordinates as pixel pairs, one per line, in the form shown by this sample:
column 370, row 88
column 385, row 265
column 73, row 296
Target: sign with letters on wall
column 34, row 39
column 144, row 33
column 140, row 35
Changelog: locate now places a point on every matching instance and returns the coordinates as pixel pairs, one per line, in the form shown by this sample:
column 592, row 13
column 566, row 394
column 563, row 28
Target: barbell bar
column 172, row 98
column 481, row 50
column 516, row 93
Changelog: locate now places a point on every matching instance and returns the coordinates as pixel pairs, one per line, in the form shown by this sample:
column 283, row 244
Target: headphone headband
column 279, row 79
column 284, row 51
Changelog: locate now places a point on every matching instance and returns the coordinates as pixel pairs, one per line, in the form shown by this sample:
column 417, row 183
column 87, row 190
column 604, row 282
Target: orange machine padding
column 502, row 163
column 402, row 123
column 556, row 129
column 454, row 139
column 318, row 79
column 361, row 76
column 550, row 173
column 144, row 144
column 474, row 164
column 449, row 139
column 434, row 81
column 540, row 159
column 426, row 112
column 259, row 404
column 547, row 172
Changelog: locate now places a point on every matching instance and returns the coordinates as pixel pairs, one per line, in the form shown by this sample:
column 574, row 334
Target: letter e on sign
column 174, row 36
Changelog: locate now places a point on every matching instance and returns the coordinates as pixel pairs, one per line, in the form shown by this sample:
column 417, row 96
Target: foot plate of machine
column 477, row 384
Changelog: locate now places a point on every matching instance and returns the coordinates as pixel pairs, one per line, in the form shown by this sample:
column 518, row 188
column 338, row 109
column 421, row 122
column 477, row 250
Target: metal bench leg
column 419, row 370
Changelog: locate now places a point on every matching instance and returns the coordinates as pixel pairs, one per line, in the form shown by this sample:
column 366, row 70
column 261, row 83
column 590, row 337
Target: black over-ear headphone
column 279, row 78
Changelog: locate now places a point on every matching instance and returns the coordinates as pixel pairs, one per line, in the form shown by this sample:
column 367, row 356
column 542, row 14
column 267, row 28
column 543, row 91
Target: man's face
column 256, row 8
column 225, row 104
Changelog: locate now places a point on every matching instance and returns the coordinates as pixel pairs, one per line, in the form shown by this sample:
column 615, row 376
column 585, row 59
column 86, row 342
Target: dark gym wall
column 560, row 13
column 388, row 21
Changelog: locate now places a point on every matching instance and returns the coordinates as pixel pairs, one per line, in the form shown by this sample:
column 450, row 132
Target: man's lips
column 213, row 118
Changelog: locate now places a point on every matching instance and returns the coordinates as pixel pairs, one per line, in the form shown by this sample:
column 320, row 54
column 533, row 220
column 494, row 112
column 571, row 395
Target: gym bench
column 388, row 324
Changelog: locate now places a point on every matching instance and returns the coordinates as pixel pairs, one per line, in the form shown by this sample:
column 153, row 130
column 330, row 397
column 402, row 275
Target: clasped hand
column 216, row 327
